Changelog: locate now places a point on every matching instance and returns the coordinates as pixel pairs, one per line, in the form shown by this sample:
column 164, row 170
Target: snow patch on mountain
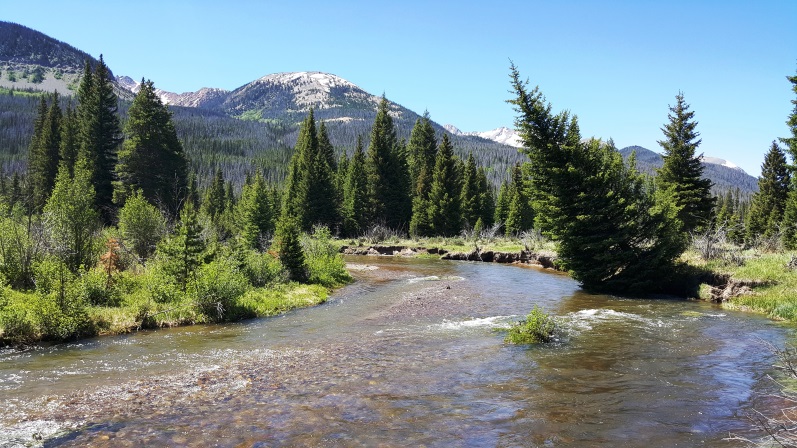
column 316, row 88
column 723, row 162
column 186, row 99
column 501, row 135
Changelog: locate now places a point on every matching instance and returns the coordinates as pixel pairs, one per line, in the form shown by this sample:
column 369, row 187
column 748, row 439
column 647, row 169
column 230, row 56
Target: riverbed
column 411, row 354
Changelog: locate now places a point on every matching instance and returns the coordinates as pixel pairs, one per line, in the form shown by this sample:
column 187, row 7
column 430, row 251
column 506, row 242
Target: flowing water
column 412, row 354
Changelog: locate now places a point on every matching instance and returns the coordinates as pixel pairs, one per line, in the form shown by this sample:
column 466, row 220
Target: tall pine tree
column 43, row 159
column 789, row 225
column 681, row 174
column 769, row 202
column 444, row 195
column 355, row 194
column 100, row 134
column 152, row 158
column 611, row 234
column 388, row 178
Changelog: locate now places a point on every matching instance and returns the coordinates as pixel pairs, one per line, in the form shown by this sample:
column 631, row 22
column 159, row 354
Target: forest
column 108, row 223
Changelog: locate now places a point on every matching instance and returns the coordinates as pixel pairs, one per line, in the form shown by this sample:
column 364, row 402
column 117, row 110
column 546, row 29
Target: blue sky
column 616, row 64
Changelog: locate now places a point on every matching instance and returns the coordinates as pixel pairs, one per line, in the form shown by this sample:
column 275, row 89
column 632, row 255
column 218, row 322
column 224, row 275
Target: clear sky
column 616, row 64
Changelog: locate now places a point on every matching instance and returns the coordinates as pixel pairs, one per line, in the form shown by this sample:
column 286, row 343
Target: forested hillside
column 724, row 178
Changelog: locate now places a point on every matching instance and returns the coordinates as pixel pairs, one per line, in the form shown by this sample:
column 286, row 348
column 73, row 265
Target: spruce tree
column 789, row 224
column 682, row 171
column 444, row 195
column 519, row 213
column 355, row 194
column 255, row 216
column 289, row 249
column 100, row 134
column 70, row 139
column 502, row 202
column 309, row 191
column 769, row 202
column 215, row 200
column 470, row 198
column 486, row 198
column 325, row 147
column 181, row 253
column 388, row 178
column 152, row 158
column 421, row 151
column 43, row 158
column 611, row 234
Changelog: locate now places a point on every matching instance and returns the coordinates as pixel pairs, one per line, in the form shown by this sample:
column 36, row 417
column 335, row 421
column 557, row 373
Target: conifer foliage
column 100, row 134
column 611, row 234
column 151, row 158
column 769, row 202
column 388, row 176
column 789, row 227
column 681, row 174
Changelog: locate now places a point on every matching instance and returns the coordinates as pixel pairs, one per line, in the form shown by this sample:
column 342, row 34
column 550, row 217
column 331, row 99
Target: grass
column 775, row 294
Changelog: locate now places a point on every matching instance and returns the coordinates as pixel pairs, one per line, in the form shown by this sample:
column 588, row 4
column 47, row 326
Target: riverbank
column 546, row 260
column 764, row 283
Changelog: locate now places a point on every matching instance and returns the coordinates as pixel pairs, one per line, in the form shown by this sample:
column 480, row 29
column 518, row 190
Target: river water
column 412, row 354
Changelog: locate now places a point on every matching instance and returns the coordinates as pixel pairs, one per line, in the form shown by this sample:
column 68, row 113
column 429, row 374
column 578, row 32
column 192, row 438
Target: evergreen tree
column 471, row 195
column 789, row 225
column 215, row 199
column 152, row 158
column 325, row 147
column 255, row 216
column 388, row 183
column 289, row 249
column 486, row 199
column 682, row 171
column 611, row 234
column 70, row 140
column 519, row 214
column 421, row 152
column 71, row 219
column 181, row 253
column 355, row 193
column 43, row 158
column 444, row 194
column 310, row 191
column 100, row 134
column 769, row 202
column 502, row 203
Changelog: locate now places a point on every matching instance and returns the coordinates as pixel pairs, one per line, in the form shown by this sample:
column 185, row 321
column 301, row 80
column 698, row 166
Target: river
column 411, row 354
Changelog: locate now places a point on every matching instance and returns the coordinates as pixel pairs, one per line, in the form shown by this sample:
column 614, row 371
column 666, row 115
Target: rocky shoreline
column 547, row 261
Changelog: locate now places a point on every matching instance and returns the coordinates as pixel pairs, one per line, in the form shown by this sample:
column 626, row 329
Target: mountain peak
column 501, row 135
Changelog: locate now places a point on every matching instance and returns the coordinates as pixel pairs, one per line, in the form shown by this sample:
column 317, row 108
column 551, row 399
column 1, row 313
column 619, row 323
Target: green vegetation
column 538, row 327
column 774, row 280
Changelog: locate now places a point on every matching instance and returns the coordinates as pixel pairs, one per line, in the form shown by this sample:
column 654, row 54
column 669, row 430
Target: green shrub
column 219, row 284
column 324, row 263
column 159, row 286
column 538, row 327
column 262, row 269
column 93, row 288
column 50, row 274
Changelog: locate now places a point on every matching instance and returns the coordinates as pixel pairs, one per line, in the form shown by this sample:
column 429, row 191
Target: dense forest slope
column 723, row 176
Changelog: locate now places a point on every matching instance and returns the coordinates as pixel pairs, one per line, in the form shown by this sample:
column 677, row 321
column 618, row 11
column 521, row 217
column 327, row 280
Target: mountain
column 502, row 135
column 32, row 60
column 725, row 175
column 282, row 100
